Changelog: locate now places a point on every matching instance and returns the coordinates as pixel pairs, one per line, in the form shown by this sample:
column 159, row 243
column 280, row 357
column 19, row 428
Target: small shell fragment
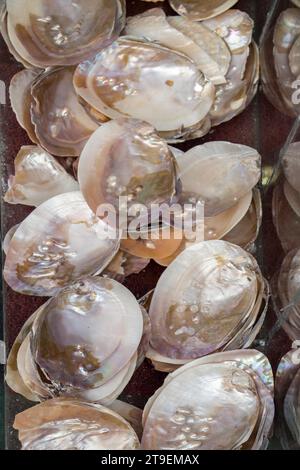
column 38, row 177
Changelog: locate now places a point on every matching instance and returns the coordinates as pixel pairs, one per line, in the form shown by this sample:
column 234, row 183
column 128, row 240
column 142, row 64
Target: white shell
column 59, row 242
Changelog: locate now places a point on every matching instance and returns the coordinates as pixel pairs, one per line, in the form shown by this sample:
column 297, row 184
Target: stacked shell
column 280, row 62
column 287, row 394
column 220, row 402
column 211, row 298
column 286, row 200
column 85, row 343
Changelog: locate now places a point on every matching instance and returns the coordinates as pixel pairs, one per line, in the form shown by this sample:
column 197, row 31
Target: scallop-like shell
column 220, row 402
column 204, row 299
column 63, row 33
column 61, row 123
column 61, row 424
column 134, row 77
column 197, row 10
column 126, row 157
column 38, row 177
column 59, row 242
column 219, row 174
column 66, row 349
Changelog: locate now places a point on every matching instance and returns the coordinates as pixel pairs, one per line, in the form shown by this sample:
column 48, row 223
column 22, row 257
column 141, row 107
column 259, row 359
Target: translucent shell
column 286, row 33
column 287, row 388
column 61, row 424
column 43, row 37
column 38, row 177
column 197, row 10
column 126, row 157
column 21, row 99
column 286, row 221
column 134, row 77
column 204, row 299
column 61, row 123
column 219, row 174
column 291, row 165
column 288, row 285
column 59, row 242
column 177, row 35
column 220, row 402
column 68, row 349
column 124, row 264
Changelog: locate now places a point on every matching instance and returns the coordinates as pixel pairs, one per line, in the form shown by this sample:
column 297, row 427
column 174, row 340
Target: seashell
column 197, row 10
column 287, row 294
column 246, row 231
column 8, row 237
column 38, row 177
column 220, row 402
column 130, row 413
column 155, row 26
column 292, row 197
column 61, row 424
column 21, row 99
column 219, row 174
column 47, row 251
column 65, row 348
column 43, row 38
column 126, row 157
column 286, row 221
column 296, row 2
column 62, row 126
column 287, row 388
column 215, row 299
column 133, row 77
column 291, row 165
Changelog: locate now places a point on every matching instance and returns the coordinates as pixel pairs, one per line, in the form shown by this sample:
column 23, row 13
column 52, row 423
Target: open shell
column 59, row 242
column 65, row 348
column 52, row 33
column 287, row 388
column 220, row 402
column 126, row 157
column 61, row 424
column 197, row 10
column 134, row 77
column 208, row 299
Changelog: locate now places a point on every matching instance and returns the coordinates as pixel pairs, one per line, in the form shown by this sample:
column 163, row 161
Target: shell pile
column 102, row 97
column 287, row 393
column 280, row 62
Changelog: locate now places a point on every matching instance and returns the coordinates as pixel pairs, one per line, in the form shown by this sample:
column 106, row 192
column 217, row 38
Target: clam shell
column 61, row 126
column 8, row 237
column 291, row 165
column 47, row 251
column 136, row 87
column 61, row 424
column 197, row 10
column 21, row 99
column 292, row 197
column 190, row 424
column 155, row 26
column 44, row 38
column 124, row 264
column 38, row 177
column 214, row 290
column 219, row 173
column 286, row 221
column 126, row 157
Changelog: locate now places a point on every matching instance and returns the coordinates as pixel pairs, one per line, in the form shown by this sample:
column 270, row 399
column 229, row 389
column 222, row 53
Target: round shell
column 197, row 10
